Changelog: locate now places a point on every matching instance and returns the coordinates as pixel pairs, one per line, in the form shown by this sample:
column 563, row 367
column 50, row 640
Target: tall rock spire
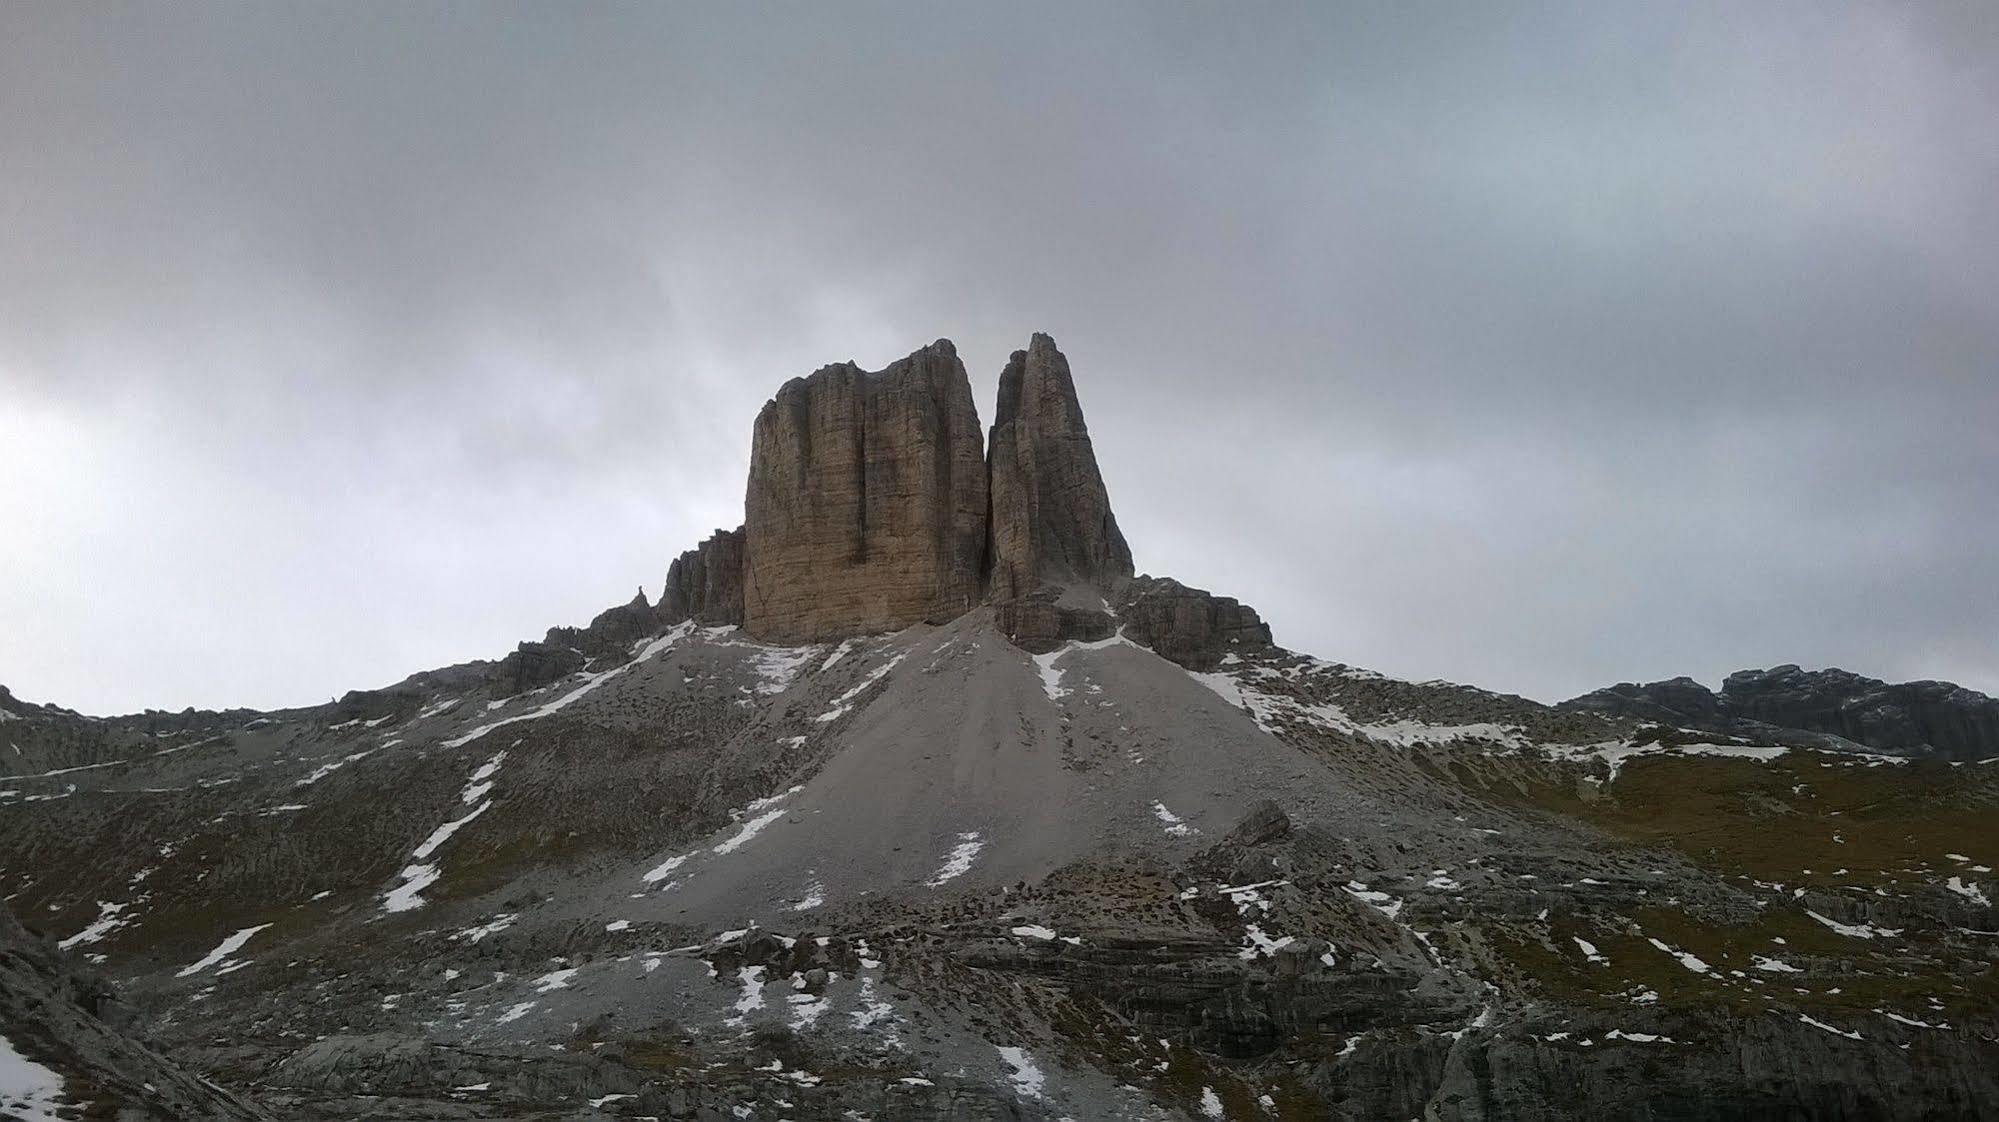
column 1051, row 517
column 866, row 505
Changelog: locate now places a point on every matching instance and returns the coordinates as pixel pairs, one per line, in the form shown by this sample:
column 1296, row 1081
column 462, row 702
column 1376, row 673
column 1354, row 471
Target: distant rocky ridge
column 1834, row 709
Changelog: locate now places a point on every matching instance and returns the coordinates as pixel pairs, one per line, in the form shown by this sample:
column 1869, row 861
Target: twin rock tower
column 873, row 504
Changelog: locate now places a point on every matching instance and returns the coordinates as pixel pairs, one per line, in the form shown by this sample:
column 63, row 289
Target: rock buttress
column 706, row 583
column 1051, row 517
column 866, row 505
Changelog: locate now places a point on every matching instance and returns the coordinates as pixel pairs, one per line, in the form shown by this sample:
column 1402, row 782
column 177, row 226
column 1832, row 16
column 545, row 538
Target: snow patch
column 28, row 1090
column 1685, row 959
column 1829, row 1028
column 1027, row 1077
column 325, row 770
column 959, row 861
column 1970, row 892
column 222, row 950
column 1173, row 822
column 1856, row 930
column 554, row 980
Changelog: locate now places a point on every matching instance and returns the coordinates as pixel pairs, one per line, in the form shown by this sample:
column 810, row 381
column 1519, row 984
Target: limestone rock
column 706, row 583
column 1051, row 517
column 866, row 505
column 1189, row 625
column 1039, row 622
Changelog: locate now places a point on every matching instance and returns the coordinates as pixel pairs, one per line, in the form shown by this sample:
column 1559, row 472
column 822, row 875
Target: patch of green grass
column 1834, row 971
column 1774, row 820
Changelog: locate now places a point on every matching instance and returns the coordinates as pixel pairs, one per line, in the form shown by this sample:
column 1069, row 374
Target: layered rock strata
column 1190, row 626
column 706, row 583
column 866, row 505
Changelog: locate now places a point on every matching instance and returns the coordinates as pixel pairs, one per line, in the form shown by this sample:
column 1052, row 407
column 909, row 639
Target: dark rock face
column 706, row 583
column 1670, row 702
column 565, row 650
column 1265, row 822
column 1188, row 625
column 1051, row 517
column 866, row 506
column 533, row 665
column 1039, row 622
column 615, row 629
column 1819, row 708
column 1934, row 718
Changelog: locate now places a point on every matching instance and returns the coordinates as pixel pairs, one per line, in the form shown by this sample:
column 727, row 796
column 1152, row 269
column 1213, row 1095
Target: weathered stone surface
column 1265, row 822
column 1189, row 625
column 72, row 1023
column 1039, row 622
column 565, row 650
column 706, row 583
column 866, row 504
column 536, row 664
column 1051, row 517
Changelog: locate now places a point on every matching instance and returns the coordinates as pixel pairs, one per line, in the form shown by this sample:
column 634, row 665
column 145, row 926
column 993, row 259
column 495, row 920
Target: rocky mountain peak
column 873, row 504
column 1051, row 515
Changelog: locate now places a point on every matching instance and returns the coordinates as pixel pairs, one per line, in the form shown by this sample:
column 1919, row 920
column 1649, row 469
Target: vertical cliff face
column 706, row 583
column 1051, row 517
column 866, row 505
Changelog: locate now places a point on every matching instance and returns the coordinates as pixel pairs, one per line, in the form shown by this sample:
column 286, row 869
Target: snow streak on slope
column 27, row 1089
column 845, row 701
column 1272, row 710
column 590, row 682
column 419, row 875
column 223, row 950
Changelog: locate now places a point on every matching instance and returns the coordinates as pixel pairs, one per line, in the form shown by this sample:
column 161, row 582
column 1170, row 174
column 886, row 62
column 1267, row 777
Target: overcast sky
column 1538, row 349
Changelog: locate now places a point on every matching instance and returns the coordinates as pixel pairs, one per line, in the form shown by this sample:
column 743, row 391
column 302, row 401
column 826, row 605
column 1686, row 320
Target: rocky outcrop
column 1189, row 625
column 706, row 583
column 1832, row 709
column 866, row 505
column 565, row 650
column 1039, row 621
column 1051, row 517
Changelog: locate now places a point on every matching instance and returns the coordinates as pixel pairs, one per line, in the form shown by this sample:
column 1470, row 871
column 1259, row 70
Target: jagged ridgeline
column 908, row 799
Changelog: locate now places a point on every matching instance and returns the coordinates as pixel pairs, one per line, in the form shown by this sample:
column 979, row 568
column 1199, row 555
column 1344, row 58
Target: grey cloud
column 1538, row 347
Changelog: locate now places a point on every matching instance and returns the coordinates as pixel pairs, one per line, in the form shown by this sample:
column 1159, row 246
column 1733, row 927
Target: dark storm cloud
column 1539, row 348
